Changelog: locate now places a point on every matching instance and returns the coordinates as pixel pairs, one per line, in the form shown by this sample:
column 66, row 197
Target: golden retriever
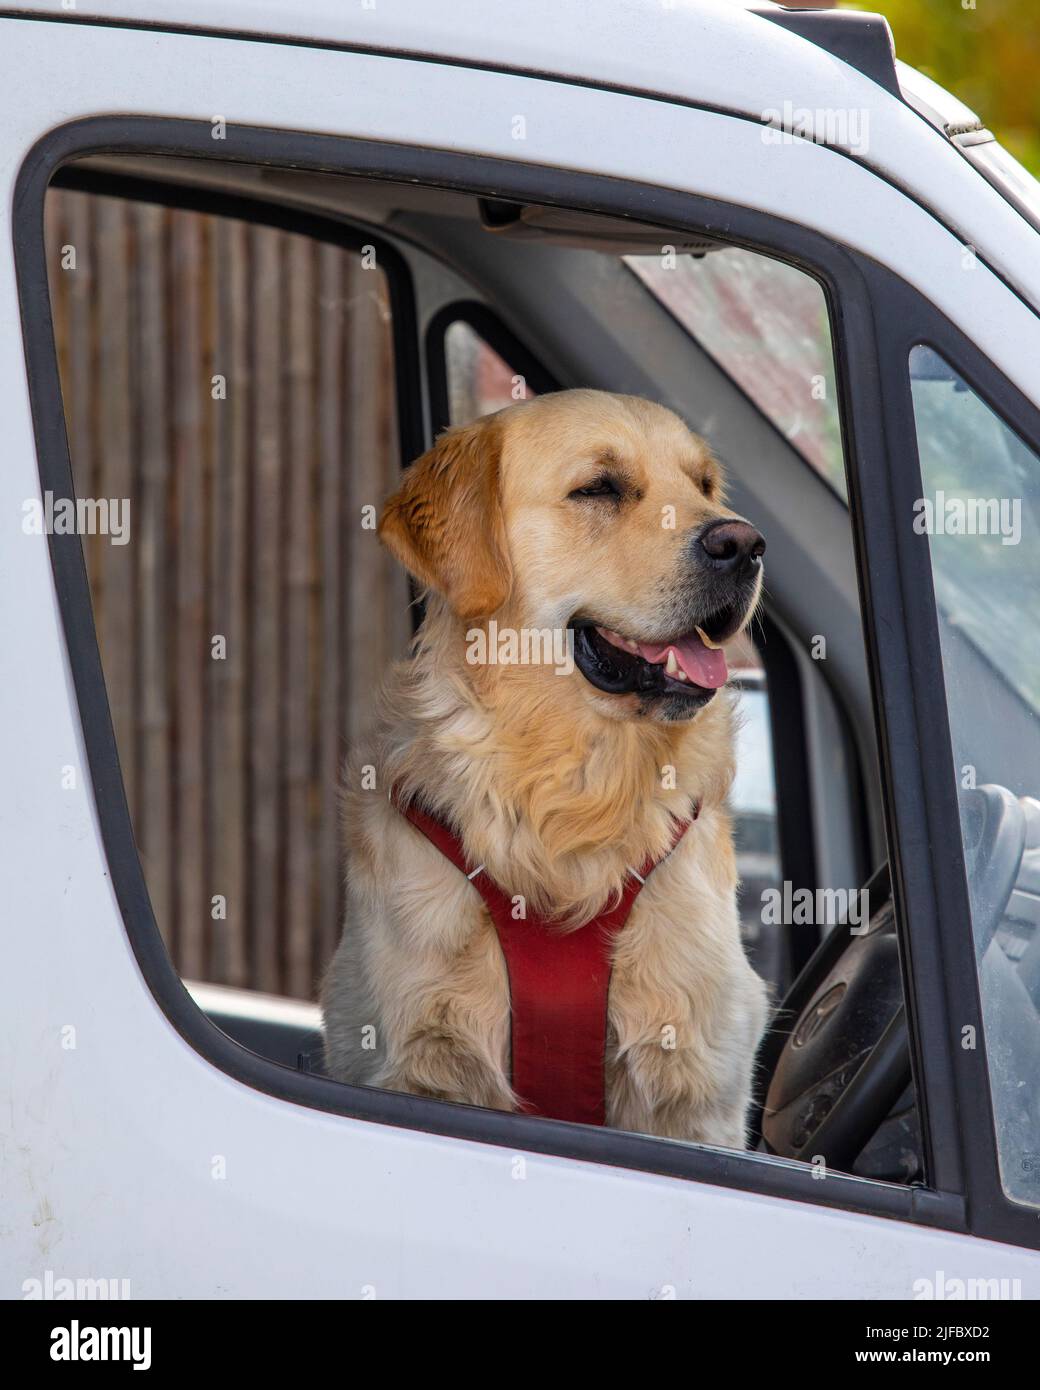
column 601, row 517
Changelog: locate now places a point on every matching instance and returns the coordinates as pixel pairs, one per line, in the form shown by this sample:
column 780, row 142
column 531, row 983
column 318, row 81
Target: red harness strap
column 558, row 984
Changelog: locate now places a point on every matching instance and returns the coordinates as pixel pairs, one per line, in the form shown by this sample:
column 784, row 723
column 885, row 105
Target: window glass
column 766, row 324
column 981, row 474
column 479, row 380
column 754, row 810
column 979, row 512
column 230, row 386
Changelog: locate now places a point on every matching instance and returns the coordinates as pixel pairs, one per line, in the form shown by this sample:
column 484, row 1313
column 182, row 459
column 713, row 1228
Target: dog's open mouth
column 691, row 665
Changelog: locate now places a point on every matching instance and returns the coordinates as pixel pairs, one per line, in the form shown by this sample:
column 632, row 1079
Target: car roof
column 751, row 60
column 718, row 53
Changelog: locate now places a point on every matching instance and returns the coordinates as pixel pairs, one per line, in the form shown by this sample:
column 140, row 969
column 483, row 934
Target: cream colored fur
column 555, row 787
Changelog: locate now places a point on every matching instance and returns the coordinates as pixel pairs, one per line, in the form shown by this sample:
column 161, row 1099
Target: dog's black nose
column 729, row 546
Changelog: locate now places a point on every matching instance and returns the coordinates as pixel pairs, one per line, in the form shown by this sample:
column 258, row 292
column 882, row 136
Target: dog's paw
column 671, row 1087
column 441, row 1067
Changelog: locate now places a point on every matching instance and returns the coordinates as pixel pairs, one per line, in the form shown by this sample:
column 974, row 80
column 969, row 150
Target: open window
column 268, row 376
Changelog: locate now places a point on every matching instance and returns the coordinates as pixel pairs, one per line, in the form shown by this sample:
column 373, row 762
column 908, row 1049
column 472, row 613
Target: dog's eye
column 602, row 487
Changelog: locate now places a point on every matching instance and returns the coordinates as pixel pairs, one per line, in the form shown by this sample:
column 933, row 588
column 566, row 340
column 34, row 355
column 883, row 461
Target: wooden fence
column 245, row 524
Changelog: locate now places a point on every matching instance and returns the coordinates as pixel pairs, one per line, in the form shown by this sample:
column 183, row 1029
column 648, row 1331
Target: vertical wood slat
column 226, row 726
column 331, row 743
column 363, row 468
column 115, row 479
column 299, row 597
column 267, row 671
column 55, row 221
column 391, row 582
column 82, row 336
column 152, row 543
column 191, row 641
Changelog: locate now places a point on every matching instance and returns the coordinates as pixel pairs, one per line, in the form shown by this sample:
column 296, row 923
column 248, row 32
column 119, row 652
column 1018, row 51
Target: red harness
column 558, row 984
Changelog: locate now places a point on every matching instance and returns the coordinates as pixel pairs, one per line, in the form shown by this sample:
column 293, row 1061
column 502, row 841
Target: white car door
column 136, row 1144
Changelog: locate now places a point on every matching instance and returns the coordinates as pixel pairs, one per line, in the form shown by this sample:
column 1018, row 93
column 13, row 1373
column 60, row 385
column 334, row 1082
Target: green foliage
column 987, row 52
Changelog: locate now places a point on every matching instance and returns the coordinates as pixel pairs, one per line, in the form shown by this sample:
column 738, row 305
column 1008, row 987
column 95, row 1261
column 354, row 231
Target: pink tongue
column 702, row 665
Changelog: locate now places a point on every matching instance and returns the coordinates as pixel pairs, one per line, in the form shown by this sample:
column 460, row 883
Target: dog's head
column 593, row 515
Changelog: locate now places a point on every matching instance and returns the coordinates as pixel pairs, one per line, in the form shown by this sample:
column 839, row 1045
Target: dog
column 601, row 517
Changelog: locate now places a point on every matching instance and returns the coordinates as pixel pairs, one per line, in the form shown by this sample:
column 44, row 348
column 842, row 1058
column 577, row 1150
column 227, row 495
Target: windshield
column 766, row 324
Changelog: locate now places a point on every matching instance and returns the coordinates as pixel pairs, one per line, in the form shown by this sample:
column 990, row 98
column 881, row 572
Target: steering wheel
column 838, row 1055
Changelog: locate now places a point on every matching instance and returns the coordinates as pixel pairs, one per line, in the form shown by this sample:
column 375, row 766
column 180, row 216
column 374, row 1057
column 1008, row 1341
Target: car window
column 979, row 511
column 766, row 324
column 480, row 381
column 979, row 475
column 231, row 387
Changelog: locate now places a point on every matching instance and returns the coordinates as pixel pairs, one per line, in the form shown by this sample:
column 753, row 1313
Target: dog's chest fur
column 417, row 996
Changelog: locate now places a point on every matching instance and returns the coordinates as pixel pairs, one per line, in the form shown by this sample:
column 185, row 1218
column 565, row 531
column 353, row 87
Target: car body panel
column 128, row 1155
column 711, row 53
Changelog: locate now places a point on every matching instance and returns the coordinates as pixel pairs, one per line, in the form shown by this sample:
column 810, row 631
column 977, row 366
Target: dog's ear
column 445, row 523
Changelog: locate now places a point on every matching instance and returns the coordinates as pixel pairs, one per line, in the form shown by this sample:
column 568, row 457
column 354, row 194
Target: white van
column 757, row 216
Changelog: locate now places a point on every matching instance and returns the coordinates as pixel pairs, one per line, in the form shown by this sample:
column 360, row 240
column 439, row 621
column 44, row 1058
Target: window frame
column 960, row 1159
column 486, row 323
column 913, row 321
